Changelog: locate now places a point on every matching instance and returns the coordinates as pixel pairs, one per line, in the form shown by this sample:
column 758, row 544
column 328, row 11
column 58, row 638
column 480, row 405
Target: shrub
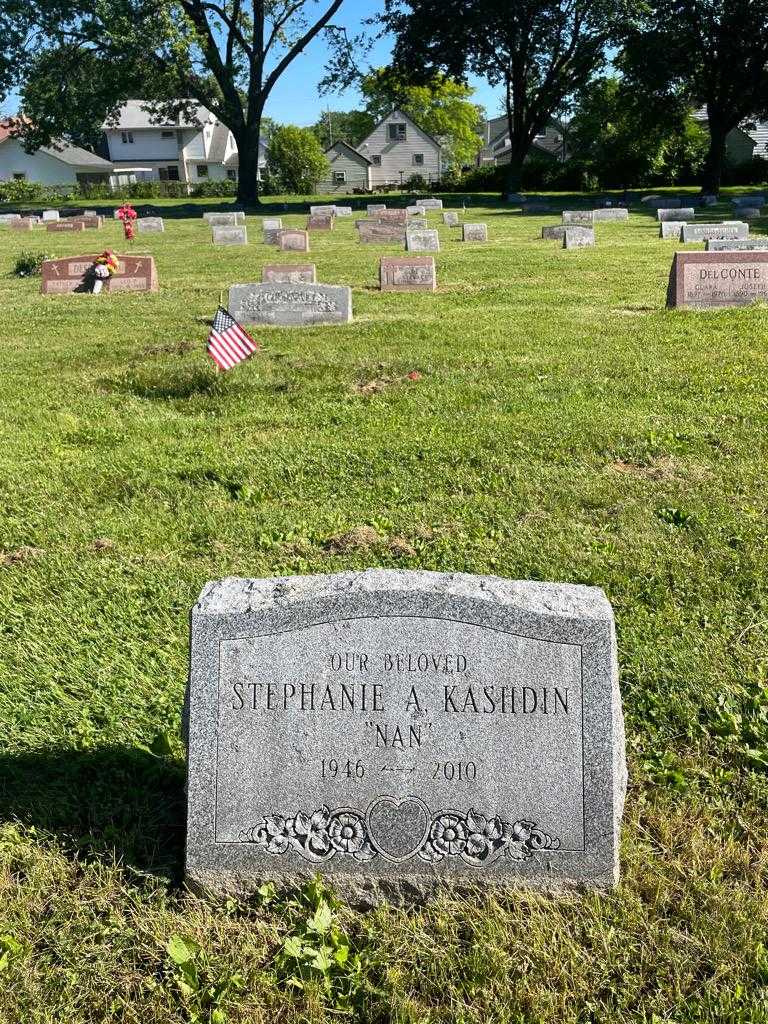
column 21, row 192
column 29, row 264
column 215, row 189
column 296, row 160
column 751, row 172
column 416, row 183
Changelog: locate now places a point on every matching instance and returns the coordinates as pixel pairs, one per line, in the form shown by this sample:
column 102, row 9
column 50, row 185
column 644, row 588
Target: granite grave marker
column 422, row 240
column 700, row 232
column 290, row 305
column 703, row 280
column 474, row 233
column 293, row 240
column 230, row 234
column 289, row 273
column 407, row 274
column 577, row 237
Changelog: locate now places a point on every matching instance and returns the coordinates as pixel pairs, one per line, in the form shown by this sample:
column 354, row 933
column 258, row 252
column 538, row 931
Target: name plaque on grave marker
column 714, row 279
column 399, row 729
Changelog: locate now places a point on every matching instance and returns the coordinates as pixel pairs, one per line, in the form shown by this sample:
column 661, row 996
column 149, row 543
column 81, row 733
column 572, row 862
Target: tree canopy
column 350, row 126
column 541, row 51
column 706, row 52
column 295, row 160
column 77, row 61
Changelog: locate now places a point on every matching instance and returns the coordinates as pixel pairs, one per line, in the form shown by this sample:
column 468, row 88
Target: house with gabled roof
column 350, row 170
column 61, row 163
column 398, row 148
column 550, row 142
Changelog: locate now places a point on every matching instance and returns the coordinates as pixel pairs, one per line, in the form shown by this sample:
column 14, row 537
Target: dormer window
column 396, row 131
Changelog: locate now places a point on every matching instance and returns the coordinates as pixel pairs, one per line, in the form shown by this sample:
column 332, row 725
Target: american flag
column 228, row 343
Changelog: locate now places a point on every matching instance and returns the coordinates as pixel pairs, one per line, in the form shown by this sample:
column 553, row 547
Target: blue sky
column 295, row 99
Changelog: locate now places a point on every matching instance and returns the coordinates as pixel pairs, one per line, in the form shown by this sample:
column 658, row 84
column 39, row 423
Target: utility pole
column 330, row 128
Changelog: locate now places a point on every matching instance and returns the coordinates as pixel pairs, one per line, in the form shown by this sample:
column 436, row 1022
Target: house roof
column 355, row 152
column 75, row 156
column 400, row 113
column 135, row 114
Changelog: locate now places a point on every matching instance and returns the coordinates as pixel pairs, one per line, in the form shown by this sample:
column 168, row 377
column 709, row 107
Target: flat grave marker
column 291, row 305
column 402, row 730
column 710, row 280
column 407, row 274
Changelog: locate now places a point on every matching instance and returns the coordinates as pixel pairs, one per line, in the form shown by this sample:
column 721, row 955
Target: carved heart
column 398, row 827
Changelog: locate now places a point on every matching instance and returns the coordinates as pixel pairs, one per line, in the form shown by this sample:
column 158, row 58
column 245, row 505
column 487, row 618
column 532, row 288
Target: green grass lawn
column 565, row 427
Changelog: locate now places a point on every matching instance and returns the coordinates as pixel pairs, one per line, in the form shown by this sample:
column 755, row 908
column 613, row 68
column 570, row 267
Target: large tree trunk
column 514, row 177
column 248, row 154
column 715, row 160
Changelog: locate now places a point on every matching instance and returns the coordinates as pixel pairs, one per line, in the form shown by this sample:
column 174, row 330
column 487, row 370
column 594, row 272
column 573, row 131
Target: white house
column 398, row 149
column 59, row 164
column 550, row 142
column 191, row 149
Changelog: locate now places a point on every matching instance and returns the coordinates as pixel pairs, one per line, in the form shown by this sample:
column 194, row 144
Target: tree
column 541, row 51
column 441, row 106
column 77, row 61
column 295, row 160
column 706, row 52
column 350, row 126
column 626, row 141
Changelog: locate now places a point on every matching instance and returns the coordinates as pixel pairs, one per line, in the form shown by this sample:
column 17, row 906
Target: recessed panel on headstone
column 290, row 305
column 224, row 234
column 474, row 232
column 407, row 274
column 700, row 232
column 398, row 731
column 706, row 280
column 289, row 273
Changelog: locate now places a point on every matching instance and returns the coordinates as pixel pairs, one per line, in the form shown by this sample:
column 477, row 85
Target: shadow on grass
column 118, row 803
column 172, row 384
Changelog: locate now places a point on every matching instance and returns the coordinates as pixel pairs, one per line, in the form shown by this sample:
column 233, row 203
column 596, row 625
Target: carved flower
column 312, row 832
column 346, row 832
column 448, row 834
column 272, row 833
column 484, row 834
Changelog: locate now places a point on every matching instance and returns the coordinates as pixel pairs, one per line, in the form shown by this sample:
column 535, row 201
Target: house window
column 231, row 175
column 167, row 135
column 127, row 138
column 396, row 132
column 418, row 159
column 202, row 170
column 339, row 177
column 376, row 160
column 168, row 173
column 19, row 176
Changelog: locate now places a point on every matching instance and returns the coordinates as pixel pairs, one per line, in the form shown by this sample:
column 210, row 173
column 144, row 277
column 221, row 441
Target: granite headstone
column 407, row 274
column 706, row 280
column 230, row 234
column 474, row 232
column 293, row 240
column 290, row 305
column 289, row 273
column 150, row 224
column 400, row 730
column 700, row 232
column 577, row 237
column 422, row 240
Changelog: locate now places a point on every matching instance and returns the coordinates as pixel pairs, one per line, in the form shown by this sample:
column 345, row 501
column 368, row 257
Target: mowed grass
column 563, row 426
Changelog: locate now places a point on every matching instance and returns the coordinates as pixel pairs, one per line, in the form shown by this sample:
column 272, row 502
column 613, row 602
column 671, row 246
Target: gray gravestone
column 414, row 211
column 611, row 213
column 272, row 223
column 343, row 211
column 289, row 273
column 731, row 229
column 50, row 216
column 430, row 204
column 534, row 209
column 235, row 234
column 290, row 305
column 373, row 208
column 757, row 199
column 736, row 244
column 150, row 224
column 554, row 231
column 585, row 218
column 577, row 237
column 474, row 233
column 376, row 232
column 329, row 211
column 8, row 218
column 684, row 213
column 401, row 730
column 407, row 274
column 224, row 219
column 671, row 229
column 711, row 280
column 293, row 240
column 750, row 212
column 272, row 236
column 424, row 240
column 451, row 218
column 665, row 203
